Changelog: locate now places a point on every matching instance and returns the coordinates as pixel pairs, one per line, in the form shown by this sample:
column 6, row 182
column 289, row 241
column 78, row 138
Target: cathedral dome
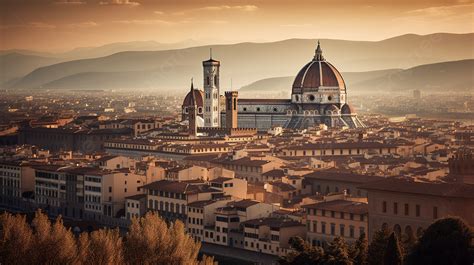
column 198, row 96
column 317, row 73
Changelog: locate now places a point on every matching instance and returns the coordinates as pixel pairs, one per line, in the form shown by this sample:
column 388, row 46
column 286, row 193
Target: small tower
column 192, row 110
column 318, row 54
column 211, row 92
column 231, row 109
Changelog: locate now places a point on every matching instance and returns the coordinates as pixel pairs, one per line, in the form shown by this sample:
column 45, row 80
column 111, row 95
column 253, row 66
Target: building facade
column 319, row 96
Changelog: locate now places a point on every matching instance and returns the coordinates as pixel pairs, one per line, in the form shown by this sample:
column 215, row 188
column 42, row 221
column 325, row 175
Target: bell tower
column 211, row 92
column 192, row 110
column 231, row 109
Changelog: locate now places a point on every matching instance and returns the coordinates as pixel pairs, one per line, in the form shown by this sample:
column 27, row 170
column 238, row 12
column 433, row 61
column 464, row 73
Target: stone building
column 319, row 96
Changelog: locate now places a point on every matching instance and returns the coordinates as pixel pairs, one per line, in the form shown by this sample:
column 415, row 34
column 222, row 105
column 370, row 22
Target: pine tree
column 302, row 254
column 377, row 247
column 393, row 253
column 337, row 253
column 358, row 251
column 446, row 241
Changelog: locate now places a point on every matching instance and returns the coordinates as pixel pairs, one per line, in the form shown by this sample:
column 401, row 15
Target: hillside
column 16, row 65
column 248, row 62
column 285, row 83
column 446, row 76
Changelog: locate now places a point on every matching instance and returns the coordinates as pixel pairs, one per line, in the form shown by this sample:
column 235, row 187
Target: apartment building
column 16, row 178
column 106, row 191
column 333, row 180
column 250, row 169
column 202, row 218
column 227, row 230
column 271, row 235
column 135, row 206
column 339, row 149
column 170, row 199
column 328, row 219
column 408, row 207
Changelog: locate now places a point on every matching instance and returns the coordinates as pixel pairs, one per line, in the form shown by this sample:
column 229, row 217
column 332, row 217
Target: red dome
column 198, row 96
column 317, row 73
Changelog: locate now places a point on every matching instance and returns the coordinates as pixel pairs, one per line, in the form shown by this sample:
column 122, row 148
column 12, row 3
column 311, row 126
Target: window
column 341, row 230
column 435, row 212
column 395, row 208
column 333, row 229
column 351, row 231
column 407, row 209
column 384, row 206
column 417, row 210
column 110, row 189
column 323, row 228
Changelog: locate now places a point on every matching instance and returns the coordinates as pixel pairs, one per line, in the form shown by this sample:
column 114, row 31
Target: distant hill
column 286, row 82
column 456, row 76
column 16, row 65
column 249, row 62
column 446, row 76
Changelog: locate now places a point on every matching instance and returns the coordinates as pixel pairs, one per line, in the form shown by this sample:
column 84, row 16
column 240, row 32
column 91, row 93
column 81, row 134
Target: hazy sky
column 59, row 25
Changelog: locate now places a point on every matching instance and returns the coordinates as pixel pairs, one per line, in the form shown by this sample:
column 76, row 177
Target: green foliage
column 358, row 251
column 393, row 253
column 337, row 253
column 446, row 241
column 302, row 254
column 377, row 247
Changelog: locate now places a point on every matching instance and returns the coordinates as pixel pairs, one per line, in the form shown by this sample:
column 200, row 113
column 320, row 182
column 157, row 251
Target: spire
column 318, row 53
column 193, row 100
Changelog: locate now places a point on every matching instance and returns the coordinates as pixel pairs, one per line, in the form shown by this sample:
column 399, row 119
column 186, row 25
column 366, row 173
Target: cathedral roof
column 198, row 98
column 317, row 73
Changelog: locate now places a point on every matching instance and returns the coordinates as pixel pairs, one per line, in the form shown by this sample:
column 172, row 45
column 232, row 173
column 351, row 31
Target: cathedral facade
column 318, row 96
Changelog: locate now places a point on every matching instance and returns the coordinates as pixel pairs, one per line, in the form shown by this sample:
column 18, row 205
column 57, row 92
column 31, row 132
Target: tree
column 302, row 254
column 16, row 239
column 393, row 253
column 52, row 243
column 151, row 241
column 446, row 241
column 104, row 247
column 337, row 253
column 377, row 247
column 358, row 251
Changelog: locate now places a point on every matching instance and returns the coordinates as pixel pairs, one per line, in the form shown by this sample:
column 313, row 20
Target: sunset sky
column 60, row 25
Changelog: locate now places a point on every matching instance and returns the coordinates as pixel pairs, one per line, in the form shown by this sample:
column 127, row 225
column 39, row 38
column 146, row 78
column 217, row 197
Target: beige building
column 408, row 207
column 332, row 180
column 170, row 199
column 339, row 149
column 16, row 178
column 329, row 219
column 202, row 218
column 228, row 219
column 135, row 206
column 271, row 235
column 250, row 169
column 105, row 191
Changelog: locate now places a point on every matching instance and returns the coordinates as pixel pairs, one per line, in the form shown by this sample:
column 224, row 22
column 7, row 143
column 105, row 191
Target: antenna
column 231, row 84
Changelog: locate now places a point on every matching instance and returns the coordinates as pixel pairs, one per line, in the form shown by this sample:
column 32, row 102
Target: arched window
column 398, row 230
column 235, row 104
column 208, row 81
column 183, row 209
column 171, row 207
column 409, row 234
column 161, row 205
column 215, row 80
column 156, row 205
column 150, row 203
column 419, row 232
column 177, row 208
